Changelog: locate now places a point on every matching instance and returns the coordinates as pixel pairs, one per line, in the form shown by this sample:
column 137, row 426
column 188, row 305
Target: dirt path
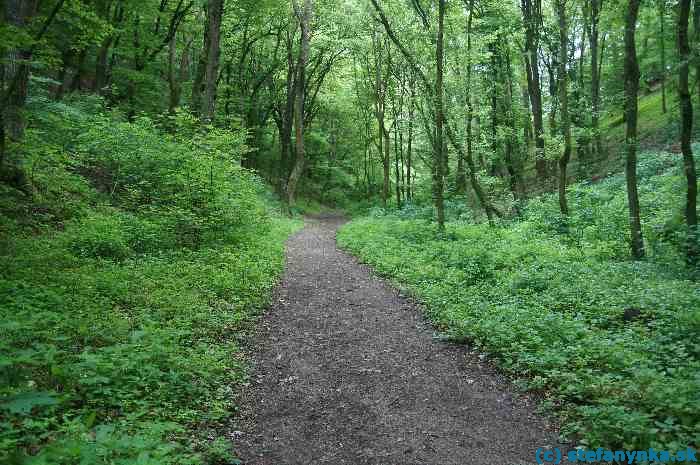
column 347, row 372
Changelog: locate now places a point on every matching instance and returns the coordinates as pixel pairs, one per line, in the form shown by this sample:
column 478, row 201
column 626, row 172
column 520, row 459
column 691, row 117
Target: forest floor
column 346, row 371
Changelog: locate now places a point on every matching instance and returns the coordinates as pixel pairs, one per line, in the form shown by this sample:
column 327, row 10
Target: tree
column 631, row 91
column 205, row 85
column 662, row 47
column 563, row 81
column 532, row 17
column 17, row 13
column 284, row 109
column 177, row 74
column 380, row 99
column 439, row 160
column 14, row 75
column 696, row 27
column 595, row 7
column 413, row 64
column 304, row 16
column 686, row 107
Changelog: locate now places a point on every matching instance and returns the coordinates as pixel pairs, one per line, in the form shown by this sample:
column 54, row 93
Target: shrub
column 122, row 303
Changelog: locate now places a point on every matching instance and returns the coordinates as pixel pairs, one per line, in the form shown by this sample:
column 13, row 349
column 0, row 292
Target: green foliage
column 121, row 319
column 614, row 343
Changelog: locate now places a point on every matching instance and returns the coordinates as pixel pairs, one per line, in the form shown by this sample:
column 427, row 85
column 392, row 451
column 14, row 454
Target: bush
column 99, row 235
column 121, row 313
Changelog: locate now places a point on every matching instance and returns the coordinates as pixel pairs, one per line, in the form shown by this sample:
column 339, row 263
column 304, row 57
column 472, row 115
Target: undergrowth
column 612, row 344
column 130, row 278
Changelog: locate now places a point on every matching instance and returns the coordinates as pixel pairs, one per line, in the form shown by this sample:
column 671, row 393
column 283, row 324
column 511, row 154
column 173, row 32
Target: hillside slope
column 611, row 343
column 131, row 273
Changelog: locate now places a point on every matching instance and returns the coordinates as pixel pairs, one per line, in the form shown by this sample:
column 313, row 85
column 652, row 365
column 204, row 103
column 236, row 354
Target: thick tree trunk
column 76, row 83
column 17, row 13
column 631, row 91
column 686, row 105
column 286, row 117
column 532, row 16
column 102, row 58
column 304, row 16
column 439, row 160
column 563, row 79
column 102, row 66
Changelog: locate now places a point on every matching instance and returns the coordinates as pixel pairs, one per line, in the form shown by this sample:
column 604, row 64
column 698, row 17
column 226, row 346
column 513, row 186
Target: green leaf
column 23, row 403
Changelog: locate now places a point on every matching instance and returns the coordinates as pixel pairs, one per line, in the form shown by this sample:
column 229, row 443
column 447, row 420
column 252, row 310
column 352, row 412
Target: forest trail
column 346, row 371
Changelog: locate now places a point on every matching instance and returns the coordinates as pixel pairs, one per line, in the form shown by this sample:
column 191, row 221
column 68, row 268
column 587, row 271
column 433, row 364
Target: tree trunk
column 409, row 146
column 461, row 182
column 305, row 23
column 63, row 75
column 686, row 105
column 76, row 83
column 102, row 65
column 3, row 135
column 102, row 58
column 17, row 13
column 402, row 154
column 380, row 89
column 177, row 77
column 386, row 162
column 215, row 11
column 439, row 160
column 15, row 79
column 397, row 109
column 696, row 28
column 552, row 71
column 631, row 91
column 286, row 117
column 582, row 139
column 173, row 82
column 528, row 133
column 662, row 45
column 595, row 6
column 563, row 79
column 469, row 156
column 532, row 16
column 513, row 164
column 397, row 168
column 490, row 209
